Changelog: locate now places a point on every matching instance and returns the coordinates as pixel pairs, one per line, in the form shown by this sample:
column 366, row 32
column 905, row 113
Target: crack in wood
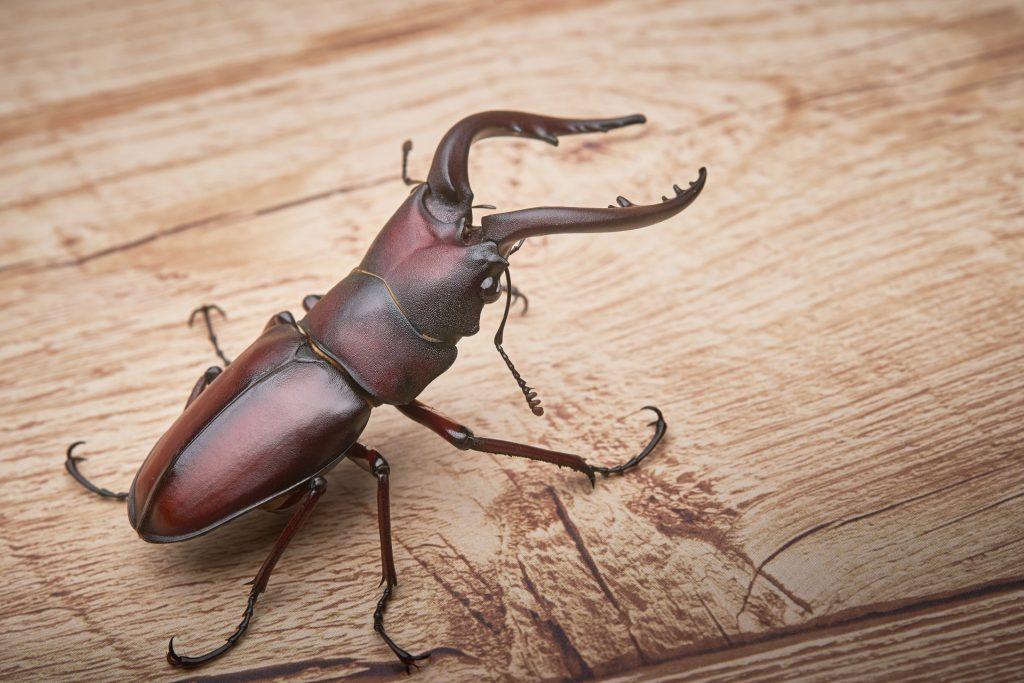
column 1001, row 501
column 591, row 565
column 218, row 220
column 841, row 522
column 714, row 619
column 462, row 599
column 574, row 662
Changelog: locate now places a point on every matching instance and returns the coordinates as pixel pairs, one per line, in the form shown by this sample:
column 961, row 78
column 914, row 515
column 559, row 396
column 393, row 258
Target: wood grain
column 834, row 331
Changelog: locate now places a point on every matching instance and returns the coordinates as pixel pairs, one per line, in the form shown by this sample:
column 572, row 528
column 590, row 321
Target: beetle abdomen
column 274, row 418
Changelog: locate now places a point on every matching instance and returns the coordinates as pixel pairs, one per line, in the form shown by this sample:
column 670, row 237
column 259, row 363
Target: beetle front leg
column 374, row 463
column 314, row 490
column 463, row 438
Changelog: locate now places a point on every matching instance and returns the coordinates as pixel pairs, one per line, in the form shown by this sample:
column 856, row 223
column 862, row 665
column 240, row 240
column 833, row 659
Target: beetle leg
column 517, row 295
column 205, row 310
column 310, row 300
column 282, row 318
column 406, row 148
column 314, row 490
column 72, row 460
column 463, row 438
column 203, row 382
column 71, row 465
column 374, row 463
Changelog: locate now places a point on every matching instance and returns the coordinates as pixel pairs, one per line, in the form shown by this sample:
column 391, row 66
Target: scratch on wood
column 588, row 560
column 459, row 596
column 984, row 508
column 571, row 657
column 714, row 619
column 837, row 523
column 892, row 506
column 775, row 553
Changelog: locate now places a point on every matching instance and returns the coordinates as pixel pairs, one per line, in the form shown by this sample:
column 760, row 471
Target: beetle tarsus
column 517, row 295
column 315, row 489
column 187, row 662
column 660, row 426
column 408, row 660
column 71, row 465
column 205, row 310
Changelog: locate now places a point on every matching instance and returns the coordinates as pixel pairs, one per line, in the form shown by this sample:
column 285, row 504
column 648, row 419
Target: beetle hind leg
column 72, row 460
column 71, row 465
column 374, row 463
column 314, row 490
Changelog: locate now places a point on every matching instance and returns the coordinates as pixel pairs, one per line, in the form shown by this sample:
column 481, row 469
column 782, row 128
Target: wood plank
column 975, row 637
column 833, row 331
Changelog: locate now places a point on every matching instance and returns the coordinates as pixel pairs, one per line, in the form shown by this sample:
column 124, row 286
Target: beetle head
column 439, row 270
column 443, row 269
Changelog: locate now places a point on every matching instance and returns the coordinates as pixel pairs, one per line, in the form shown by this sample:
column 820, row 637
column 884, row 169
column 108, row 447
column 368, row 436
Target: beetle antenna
column 528, row 392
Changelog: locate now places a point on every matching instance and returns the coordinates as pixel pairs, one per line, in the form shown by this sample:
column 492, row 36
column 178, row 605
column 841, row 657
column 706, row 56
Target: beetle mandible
column 264, row 430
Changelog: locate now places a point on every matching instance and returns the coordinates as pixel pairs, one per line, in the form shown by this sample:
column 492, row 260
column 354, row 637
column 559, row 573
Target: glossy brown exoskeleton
column 265, row 430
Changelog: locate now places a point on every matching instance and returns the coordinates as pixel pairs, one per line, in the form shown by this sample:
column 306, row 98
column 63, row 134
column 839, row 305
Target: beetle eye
column 490, row 289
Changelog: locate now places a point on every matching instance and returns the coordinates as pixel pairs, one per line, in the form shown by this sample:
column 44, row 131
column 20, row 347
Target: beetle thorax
column 440, row 282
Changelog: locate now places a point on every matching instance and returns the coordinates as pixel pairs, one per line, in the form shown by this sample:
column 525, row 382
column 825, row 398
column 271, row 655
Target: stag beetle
column 264, row 430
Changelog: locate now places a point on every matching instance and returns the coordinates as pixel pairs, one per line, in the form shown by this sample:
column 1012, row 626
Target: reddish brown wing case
column 274, row 418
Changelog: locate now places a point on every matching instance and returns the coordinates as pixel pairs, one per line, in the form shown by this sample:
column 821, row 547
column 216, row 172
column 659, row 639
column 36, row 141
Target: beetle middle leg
column 374, row 463
column 314, row 490
column 463, row 438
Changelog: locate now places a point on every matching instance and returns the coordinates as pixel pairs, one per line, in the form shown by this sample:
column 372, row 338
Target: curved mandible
column 508, row 228
column 450, row 195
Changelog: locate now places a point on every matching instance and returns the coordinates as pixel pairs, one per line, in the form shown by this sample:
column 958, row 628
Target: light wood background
column 835, row 331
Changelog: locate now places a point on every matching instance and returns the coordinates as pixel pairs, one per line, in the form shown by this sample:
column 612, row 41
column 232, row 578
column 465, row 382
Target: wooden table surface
column 834, row 330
